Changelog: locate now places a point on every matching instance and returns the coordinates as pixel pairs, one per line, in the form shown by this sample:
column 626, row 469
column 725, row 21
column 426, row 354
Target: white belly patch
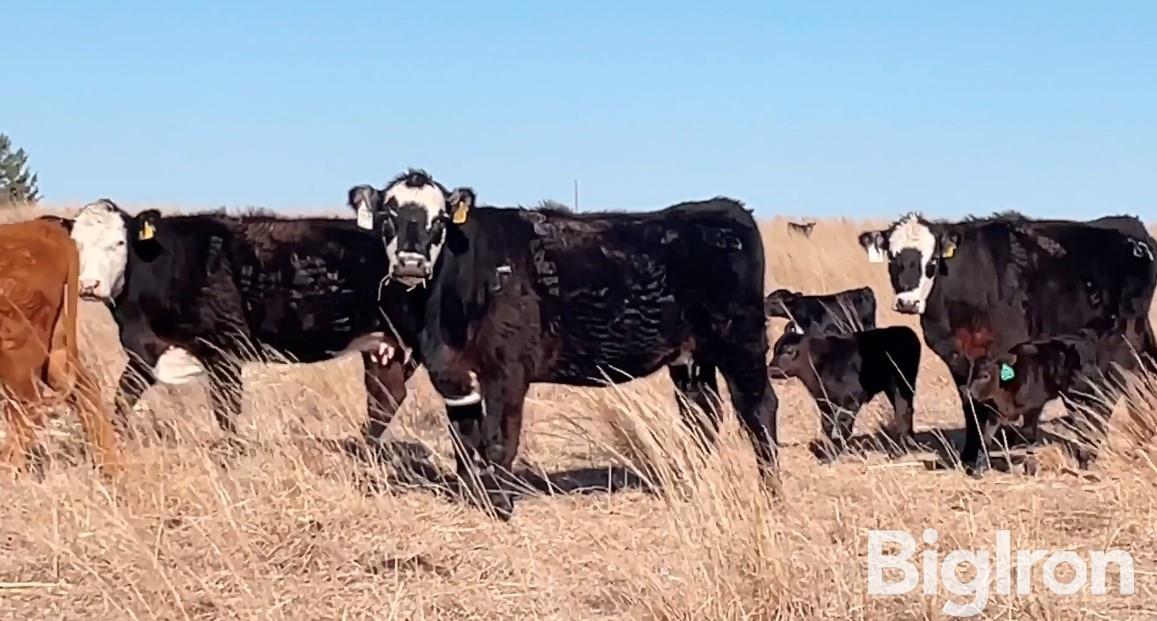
column 177, row 366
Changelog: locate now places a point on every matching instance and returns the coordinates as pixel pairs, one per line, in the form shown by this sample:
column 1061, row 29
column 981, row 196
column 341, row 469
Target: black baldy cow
column 842, row 312
column 1010, row 279
column 842, row 372
column 194, row 294
column 517, row 296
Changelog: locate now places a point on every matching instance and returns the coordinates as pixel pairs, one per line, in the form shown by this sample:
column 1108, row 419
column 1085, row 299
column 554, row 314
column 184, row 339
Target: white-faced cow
column 515, row 296
column 198, row 293
column 983, row 285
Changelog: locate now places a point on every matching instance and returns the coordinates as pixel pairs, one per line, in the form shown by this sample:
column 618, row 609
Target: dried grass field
column 290, row 527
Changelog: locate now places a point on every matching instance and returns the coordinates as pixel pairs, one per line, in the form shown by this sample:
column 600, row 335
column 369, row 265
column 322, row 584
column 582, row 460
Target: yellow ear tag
column 948, row 251
column 147, row 231
column 460, row 212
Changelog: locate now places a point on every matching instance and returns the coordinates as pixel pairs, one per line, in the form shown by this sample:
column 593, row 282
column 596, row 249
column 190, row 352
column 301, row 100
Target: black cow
column 843, row 372
column 517, row 296
column 985, row 284
column 196, row 293
column 1079, row 367
column 831, row 313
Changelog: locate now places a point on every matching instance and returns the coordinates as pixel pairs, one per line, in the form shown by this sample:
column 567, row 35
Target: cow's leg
column 135, row 379
column 836, row 423
column 464, row 409
column 979, row 421
column 504, row 399
column 756, row 405
column 696, row 383
column 225, row 392
column 1030, row 427
column 385, row 390
column 900, row 395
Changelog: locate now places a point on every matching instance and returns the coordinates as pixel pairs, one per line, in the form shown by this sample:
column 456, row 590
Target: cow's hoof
column 977, row 469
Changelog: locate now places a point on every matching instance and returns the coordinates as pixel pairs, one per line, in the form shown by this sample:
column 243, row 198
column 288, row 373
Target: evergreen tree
column 17, row 183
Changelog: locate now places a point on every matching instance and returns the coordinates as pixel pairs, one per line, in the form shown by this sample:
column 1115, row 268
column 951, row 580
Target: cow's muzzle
column 90, row 290
column 412, row 267
column 908, row 307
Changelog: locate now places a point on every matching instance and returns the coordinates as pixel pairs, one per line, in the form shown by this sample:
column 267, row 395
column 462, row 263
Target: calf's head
column 413, row 214
column 1027, row 376
column 790, row 355
column 914, row 249
column 105, row 236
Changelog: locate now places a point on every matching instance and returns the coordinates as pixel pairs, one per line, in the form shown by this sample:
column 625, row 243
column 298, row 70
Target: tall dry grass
column 641, row 522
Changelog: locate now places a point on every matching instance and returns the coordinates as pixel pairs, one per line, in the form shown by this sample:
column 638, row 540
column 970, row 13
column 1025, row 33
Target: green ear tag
column 1006, row 372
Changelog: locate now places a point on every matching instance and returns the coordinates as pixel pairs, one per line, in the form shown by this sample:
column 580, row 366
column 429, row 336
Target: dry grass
column 292, row 528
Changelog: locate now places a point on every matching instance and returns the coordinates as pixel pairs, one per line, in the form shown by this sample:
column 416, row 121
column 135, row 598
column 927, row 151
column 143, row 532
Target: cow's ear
column 366, row 202
column 876, row 245
column 146, row 225
column 948, row 244
column 461, row 202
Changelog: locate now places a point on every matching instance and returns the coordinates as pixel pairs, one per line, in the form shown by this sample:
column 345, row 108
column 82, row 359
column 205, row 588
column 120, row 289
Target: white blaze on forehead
column 910, row 233
column 101, row 240
column 429, row 197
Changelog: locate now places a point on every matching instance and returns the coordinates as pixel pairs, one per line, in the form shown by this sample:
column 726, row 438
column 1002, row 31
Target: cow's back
column 308, row 286
column 1012, row 280
column 621, row 291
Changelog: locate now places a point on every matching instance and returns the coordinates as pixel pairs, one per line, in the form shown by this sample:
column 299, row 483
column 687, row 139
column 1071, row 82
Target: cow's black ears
column 948, row 244
column 65, row 223
column 147, row 224
column 875, row 244
column 366, row 201
column 461, row 202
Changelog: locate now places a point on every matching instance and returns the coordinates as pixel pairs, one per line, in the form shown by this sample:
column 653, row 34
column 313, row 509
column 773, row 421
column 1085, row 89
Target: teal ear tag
column 1006, row 372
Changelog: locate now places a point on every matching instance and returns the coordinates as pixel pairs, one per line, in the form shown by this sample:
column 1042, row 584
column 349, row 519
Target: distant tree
column 17, row 183
column 555, row 205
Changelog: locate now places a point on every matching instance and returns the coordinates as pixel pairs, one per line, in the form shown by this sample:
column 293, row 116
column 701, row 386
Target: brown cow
column 39, row 267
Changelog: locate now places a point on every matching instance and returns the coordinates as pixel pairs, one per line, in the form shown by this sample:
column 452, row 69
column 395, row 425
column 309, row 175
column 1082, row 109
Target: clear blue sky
column 824, row 108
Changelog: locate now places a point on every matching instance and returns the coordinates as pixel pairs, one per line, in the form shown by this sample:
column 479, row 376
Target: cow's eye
column 120, row 243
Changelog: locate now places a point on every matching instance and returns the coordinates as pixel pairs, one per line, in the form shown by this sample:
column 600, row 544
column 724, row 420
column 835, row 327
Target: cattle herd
column 491, row 300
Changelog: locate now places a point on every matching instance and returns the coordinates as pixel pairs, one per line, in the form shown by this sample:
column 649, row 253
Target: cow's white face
column 911, row 263
column 412, row 214
column 101, row 237
column 418, row 214
column 912, row 251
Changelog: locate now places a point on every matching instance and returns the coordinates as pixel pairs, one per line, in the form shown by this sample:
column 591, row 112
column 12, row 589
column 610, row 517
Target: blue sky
column 859, row 109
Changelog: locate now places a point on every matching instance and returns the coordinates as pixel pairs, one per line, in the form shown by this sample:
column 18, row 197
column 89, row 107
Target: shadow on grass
column 946, row 444
column 410, row 465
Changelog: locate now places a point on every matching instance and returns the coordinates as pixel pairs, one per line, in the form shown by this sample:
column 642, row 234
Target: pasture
column 289, row 526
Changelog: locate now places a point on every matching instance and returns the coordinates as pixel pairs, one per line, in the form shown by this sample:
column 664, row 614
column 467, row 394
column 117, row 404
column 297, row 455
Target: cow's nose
column 906, row 306
column 412, row 264
column 89, row 287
